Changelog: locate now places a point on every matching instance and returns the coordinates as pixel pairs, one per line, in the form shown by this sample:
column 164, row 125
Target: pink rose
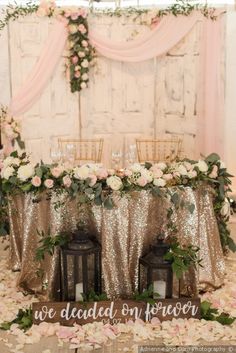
column 167, row 176
column 77, row 74
column 49, row 183
column 82, row 12
column 74, row 15
column 75, row 59
column 157, row 173
column 67, row 181
column 176, row 174
column 56, row 172
column 102, row 173
column 141, row 181
column 128, row 172
column 93, row 180
column 36, row 181
column 82, row 29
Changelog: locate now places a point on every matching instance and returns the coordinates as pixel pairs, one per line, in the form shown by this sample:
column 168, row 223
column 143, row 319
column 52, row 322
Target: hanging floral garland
column 80, row 53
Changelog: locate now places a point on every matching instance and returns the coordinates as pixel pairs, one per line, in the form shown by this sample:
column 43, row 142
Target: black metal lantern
column 155, row 271
column 80, row 267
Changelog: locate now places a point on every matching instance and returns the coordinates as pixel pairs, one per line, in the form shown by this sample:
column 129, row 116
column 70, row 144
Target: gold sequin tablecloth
column 124, row 232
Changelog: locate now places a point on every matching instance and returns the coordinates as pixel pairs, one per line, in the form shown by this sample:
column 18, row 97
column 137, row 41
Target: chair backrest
column 165, row 150
column 86, row 150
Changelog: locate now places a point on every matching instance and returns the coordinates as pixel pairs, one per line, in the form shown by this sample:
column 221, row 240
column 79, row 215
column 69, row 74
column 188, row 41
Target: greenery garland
column 96, row 186
column 80, row 52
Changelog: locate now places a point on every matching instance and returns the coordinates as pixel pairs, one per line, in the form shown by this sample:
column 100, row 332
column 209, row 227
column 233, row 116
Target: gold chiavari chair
column 165, row 150
column 86, row 150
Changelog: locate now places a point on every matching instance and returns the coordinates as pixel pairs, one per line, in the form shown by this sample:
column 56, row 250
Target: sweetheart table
column 125, row 233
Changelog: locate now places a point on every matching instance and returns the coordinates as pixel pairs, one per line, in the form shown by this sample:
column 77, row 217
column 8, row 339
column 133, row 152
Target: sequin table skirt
column 125, row 233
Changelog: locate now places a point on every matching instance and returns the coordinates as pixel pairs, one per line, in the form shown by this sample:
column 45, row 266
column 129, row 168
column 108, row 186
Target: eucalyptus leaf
column 108, row 203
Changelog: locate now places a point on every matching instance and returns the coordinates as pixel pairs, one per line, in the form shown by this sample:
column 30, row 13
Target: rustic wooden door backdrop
column 124, row 100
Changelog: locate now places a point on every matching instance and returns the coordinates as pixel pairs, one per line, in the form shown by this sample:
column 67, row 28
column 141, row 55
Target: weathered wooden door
column 123, row 101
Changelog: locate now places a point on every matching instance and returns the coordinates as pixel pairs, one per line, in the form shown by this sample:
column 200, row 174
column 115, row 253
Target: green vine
column 146, row 296
column 48, row 243
column 94, row 297
column 4, row 223
column 15, row 11
column 182, row 257
column 212, row 314
column 180, row 7
column 24, row 319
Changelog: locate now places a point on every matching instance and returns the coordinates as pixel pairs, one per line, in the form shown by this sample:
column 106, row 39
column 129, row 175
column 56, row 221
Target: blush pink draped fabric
column 162, row 38
column 158, row 42
column 210, row 102
column 41, row 73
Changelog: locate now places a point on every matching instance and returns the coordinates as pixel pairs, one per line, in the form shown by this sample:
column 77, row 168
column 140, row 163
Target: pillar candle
column 78, row 291
column 160, row 288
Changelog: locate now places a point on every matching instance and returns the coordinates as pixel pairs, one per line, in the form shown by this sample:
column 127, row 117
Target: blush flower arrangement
column 10, row 127
column 92, row 183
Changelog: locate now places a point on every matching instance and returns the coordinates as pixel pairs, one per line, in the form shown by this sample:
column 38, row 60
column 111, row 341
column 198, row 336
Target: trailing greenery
column 146, row 296
column 48, row 243
column 4, row 224
column 180, row 7
column 182, row 257
column 94, row 297
column 14, row 11
column 212, row 314
column 222, row 188
column 24, row 319
column 91, row 184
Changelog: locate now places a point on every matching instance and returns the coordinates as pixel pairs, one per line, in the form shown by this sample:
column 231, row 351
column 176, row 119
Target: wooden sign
column 114, row 312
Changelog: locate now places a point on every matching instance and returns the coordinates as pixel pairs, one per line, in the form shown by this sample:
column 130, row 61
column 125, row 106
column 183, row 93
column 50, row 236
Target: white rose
column 136, row 167
column 83, row 85
column 225, row 210
column 202, row 166
column 85, row 63
column 85, row 77
column 73, row 29
column 7, row 172
column 159, row 182
column 8, row 161
column 25, row 172
column 114, row 182
column 16, row 161
column 147, row 174
column 161, row 166
column 82, row 172
column 181, row 169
